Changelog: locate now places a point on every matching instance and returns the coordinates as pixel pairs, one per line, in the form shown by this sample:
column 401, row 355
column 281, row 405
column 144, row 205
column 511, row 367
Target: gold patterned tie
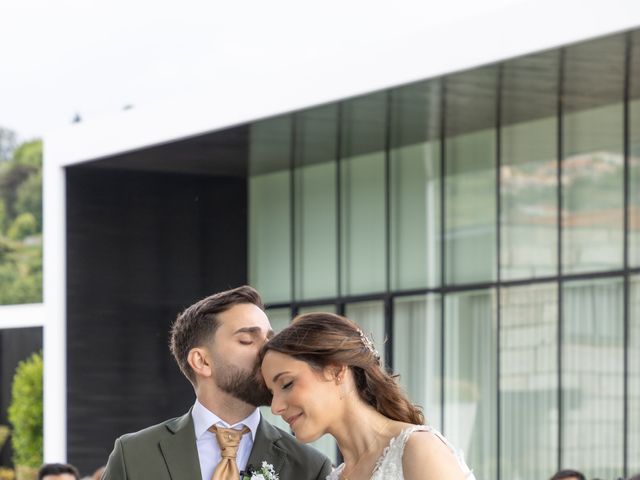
column 229, row 440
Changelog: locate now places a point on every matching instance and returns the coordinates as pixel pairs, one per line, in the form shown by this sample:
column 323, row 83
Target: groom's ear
column 200, row 362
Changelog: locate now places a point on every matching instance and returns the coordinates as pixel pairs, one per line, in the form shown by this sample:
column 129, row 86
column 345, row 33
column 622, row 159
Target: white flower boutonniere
column 265, row 472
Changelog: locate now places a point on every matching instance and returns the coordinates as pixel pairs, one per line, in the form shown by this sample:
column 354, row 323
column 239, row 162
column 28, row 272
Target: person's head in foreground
column 58, row 471
column 568, row 475
column 325, row 377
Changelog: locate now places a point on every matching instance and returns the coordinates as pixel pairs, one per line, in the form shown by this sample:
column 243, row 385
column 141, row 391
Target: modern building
column 480, row 213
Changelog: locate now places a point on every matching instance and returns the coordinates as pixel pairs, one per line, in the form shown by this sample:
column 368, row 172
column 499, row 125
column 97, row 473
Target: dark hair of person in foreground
column 58, row 469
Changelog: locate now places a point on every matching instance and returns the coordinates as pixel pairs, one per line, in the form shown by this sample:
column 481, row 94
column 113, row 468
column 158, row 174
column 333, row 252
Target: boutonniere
column 265, row 472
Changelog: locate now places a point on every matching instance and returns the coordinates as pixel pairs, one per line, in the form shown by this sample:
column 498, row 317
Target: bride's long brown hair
column 323, row 339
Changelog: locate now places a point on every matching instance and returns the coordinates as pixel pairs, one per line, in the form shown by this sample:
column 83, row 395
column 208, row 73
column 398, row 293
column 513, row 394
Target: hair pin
column 368, row 344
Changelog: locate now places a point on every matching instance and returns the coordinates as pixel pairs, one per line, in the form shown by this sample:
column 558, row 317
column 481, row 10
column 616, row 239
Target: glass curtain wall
column 633, row 405
column 593, row 156
column 633, row 237
column 485, row 225
column 633, row 214
column 470, row 383
column 529, row 167
column 417, row 347
column 470, row 177
column 592, row 377
column 529, row 381
column 315, row 203
column 269, row 213
column 415, row 186
column 362, row 194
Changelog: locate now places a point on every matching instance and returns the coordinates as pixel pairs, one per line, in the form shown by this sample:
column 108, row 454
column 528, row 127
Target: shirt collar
column 204, row 418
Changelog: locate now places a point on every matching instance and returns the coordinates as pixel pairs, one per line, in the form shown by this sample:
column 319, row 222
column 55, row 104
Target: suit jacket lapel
column 266, row 448
column 179, row 449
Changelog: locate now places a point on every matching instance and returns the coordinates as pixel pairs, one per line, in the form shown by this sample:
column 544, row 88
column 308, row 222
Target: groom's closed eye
column 248, row 335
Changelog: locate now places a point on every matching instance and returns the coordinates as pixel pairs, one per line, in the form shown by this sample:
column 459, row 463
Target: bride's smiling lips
column 292, row 420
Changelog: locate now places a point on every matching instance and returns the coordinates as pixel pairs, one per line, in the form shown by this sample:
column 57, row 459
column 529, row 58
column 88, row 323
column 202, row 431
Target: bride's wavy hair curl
column 323, row 339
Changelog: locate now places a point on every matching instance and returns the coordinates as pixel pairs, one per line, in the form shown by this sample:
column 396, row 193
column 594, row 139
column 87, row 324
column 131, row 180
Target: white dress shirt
column 207, row 444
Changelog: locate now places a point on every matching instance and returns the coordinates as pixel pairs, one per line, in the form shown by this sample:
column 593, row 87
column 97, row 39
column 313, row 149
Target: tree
column 26, row 161
column 20, row 218
column 3, row 216
column 25, row 413
column 24, row 225
column 29, row 198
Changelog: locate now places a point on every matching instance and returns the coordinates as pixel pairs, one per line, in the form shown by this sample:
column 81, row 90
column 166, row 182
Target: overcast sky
column 62, row 57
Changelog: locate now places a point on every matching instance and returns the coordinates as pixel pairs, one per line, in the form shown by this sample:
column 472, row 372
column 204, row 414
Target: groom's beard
column 246, row 386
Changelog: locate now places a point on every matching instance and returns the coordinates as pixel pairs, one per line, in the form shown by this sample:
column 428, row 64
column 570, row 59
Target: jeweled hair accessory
column 368, row 344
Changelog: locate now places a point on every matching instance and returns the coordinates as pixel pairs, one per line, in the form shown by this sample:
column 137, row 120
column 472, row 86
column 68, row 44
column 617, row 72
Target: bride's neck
column 362, row 432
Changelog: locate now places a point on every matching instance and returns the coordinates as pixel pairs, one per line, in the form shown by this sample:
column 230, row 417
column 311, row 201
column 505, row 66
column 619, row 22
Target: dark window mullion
column 292, row 204
column 560, row 113
column 443, row 246
column 498, row 258
column 625, row 253
column 388, row 302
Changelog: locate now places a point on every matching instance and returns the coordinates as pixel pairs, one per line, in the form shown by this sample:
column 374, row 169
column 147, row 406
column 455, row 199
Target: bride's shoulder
column 427, row 455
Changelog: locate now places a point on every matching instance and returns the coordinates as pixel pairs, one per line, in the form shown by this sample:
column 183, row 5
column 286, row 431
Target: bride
column 325, row 376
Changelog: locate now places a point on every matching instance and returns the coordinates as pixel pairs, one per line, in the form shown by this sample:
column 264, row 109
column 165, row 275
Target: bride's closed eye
column 287, row 385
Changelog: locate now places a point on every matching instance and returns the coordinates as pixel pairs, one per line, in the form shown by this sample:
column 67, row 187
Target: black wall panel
column 140, row 248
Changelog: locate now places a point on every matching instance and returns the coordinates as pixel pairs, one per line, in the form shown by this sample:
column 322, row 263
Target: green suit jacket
column 168, row 452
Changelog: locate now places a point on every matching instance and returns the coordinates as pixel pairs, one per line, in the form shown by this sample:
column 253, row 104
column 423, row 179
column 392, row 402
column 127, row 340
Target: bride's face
column 305, row 398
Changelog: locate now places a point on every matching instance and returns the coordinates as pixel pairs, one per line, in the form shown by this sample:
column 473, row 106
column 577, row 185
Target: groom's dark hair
column 197, row 324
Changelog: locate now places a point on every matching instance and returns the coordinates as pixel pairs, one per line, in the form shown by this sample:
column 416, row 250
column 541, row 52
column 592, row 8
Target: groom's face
column 243, row 329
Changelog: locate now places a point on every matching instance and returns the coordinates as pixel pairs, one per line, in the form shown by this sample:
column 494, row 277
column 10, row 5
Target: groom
column 215, row 343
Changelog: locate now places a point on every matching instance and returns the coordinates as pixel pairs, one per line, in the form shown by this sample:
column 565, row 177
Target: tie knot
column 228, row 439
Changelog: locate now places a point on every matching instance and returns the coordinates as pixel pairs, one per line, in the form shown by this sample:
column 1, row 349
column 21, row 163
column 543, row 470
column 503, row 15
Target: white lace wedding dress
column 389, row 465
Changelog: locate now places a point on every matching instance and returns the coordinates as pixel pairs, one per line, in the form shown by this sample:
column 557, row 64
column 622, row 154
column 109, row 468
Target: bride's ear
column 338, row 373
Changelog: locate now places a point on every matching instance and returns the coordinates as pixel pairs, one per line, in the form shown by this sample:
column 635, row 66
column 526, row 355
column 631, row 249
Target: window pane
column 315, row 204
column 363, row 196
column 470, row 378
column 416, row 352
column 592, row 163
column 633, row 447
column 528, row 171
column 279, row 318
column 529, row 381
column 370, row 317
column 634, row 153
column 269, row 209
column 415, row 186
column 592, row 377
column 317, row 308
column 634, row 182
column 470, row 177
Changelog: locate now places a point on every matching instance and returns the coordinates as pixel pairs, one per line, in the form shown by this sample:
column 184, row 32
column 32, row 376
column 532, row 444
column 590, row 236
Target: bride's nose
column 277, row 405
